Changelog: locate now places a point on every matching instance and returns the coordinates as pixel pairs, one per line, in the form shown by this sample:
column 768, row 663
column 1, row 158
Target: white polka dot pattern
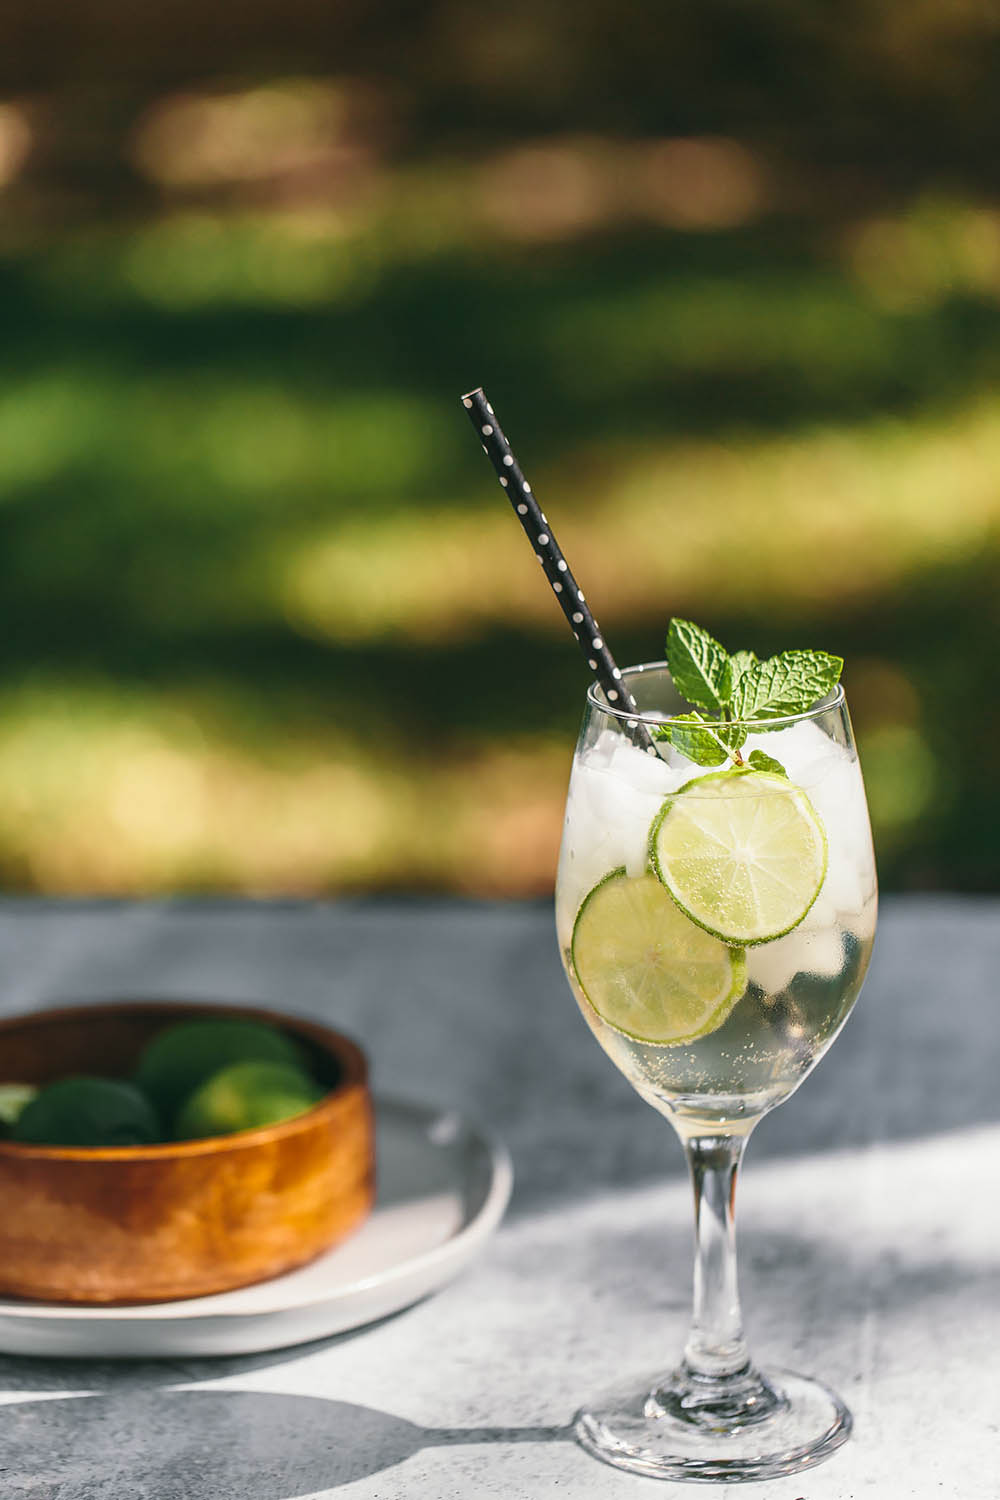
column 539, row 533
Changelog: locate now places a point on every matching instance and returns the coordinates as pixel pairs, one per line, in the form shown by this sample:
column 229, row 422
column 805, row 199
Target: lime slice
column 743, row 854
column 646, row 969
column 246, row 1095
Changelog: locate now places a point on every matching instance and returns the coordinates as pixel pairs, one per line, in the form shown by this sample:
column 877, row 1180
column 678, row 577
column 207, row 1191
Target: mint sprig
column 737, row 687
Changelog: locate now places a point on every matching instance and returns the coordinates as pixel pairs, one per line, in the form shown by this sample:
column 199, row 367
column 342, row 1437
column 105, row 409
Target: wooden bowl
column 151, row 1223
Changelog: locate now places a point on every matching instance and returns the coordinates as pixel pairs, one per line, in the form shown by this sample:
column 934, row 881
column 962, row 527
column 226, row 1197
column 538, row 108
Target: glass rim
column 835, row 698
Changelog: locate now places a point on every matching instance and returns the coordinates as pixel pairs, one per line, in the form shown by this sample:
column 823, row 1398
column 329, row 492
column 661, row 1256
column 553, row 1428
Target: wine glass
column 715, row 999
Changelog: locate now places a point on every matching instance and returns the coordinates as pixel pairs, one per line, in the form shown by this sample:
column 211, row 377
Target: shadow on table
column 134, row 1433
column 213, row 1445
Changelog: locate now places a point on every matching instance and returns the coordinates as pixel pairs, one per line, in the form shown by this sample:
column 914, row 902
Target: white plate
column 443, row 1185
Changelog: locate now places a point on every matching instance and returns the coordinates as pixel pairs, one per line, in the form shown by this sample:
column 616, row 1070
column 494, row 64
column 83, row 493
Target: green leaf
column 693, row 737
column 742, row 661
column 699, row 665
column 761, row 762
column 787, row 684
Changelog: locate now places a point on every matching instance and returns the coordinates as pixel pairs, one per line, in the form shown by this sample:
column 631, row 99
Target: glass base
column 692, row 1427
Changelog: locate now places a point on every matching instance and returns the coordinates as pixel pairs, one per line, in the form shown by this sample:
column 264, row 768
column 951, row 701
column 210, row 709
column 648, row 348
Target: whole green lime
column 179, row 1060
column 246, row 1095
column 88, row 1112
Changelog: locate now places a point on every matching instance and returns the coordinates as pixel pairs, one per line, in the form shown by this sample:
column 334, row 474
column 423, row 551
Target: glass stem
column 716, row 1348
column 717, row 1387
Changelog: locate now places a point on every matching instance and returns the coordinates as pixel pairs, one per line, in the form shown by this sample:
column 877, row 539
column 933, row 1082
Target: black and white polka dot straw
column 549, row 554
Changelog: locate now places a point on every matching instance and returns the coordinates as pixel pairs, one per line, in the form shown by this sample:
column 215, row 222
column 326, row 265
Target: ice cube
column 773, row 966
column 615, row 793
column 644, row 772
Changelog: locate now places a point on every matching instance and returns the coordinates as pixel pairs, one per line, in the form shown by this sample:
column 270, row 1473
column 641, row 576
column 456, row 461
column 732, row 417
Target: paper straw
column 557, row 571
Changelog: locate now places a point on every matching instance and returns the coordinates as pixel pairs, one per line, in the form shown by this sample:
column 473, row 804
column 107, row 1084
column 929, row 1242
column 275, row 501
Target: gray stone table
column 869, row 1221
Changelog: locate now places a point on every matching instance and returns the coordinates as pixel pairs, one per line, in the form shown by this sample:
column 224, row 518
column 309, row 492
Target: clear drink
column 799, row 987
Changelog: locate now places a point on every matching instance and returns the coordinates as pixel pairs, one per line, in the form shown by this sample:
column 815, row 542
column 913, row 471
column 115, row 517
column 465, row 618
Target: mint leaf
column 785, row 684
column 693, row 737
column 761, row 762
column 698, row 665
column 742, row 661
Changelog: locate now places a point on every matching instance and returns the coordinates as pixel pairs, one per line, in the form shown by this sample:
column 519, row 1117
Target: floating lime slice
column 743, row 854
column 244, row 1096
column 646, row 969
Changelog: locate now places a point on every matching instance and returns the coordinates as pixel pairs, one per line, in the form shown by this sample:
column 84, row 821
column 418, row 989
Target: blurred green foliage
column 266, row 622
